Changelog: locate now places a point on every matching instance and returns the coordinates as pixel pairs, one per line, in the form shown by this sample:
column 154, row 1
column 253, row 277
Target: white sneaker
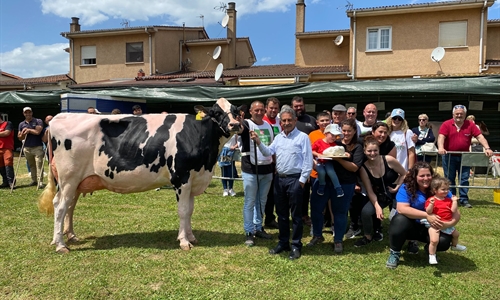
column 225, row 193
column 458, row 247
column 433, row 259
column 232, row 193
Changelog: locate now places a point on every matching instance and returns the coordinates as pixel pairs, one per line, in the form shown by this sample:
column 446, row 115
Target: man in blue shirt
column 294, row 163
column 30, row 132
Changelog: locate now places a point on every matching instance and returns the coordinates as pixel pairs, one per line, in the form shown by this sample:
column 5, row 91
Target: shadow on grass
column 449, row 262
column 159, row 239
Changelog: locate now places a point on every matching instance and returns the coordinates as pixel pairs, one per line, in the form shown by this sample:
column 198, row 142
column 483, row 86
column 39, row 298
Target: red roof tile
column 13, row 77
column 38, row 80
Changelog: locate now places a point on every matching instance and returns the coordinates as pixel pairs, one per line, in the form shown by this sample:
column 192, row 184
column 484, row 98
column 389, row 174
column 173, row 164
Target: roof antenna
column 202, row 17
column 125, row 23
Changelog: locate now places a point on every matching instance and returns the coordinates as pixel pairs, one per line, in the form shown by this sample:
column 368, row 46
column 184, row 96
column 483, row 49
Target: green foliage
column 128, row 250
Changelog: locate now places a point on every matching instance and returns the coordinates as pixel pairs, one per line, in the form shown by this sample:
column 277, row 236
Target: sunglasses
column 351, row 113
column 420, row 120
column 458, row 107
column 397, row 119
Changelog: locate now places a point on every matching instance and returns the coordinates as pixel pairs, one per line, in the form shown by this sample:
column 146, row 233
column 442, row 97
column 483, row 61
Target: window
column 88, row 55
column 134, row 52
column 453, row 34
column 379, row 39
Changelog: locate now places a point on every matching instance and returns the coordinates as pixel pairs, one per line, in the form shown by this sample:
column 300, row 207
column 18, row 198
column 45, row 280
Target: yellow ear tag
column 199, row 116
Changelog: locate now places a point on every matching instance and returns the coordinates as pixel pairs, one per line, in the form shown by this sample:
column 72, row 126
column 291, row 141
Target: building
column 130, row 52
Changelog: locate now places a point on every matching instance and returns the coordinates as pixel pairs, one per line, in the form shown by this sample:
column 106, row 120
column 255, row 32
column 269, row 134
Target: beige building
column 130, row 52
column 398, row 41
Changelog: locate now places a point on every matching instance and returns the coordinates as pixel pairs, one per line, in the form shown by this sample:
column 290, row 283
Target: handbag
column 429, row 147
column 384, row 198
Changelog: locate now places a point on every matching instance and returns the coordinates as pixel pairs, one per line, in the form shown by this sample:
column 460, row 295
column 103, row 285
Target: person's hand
column 392, row 190
column 254, row 137
column 431, row 201
column 414, row 138
column 301, row 184
column 357, row 189
column 435, row 221
column 441, row 151
column 24, row 131
column 379, row 211
column 488, row 152
column 454, row 198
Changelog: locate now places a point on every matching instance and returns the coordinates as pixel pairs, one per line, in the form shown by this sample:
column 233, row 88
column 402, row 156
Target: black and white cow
column 128, row 154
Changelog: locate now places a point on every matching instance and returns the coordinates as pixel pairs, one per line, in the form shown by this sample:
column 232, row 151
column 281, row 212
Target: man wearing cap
column 29, row 133
column 137, row 110
column 456, row 135
column 6, row 153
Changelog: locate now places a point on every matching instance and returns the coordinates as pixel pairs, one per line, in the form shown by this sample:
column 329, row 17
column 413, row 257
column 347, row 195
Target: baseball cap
column 398, row 112
column 339, row 107
column 333, row 129
column 27, row 108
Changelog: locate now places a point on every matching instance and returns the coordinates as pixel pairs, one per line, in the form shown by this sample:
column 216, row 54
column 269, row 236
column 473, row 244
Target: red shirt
column 458, row 140
column 7, row 142
column 442, row 208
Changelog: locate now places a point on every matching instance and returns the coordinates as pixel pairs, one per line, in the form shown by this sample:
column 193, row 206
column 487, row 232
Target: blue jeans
column 227, row 171
column 450, row 171
column 340, row 207
column 327, row 168
column 255, row 200
column 289, row 197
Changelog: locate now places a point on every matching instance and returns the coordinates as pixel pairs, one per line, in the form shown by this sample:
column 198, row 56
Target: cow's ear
column 200, row 108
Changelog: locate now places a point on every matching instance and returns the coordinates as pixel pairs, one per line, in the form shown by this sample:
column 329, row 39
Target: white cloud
column 31, row 60
column 173, row 12
column 264, row 59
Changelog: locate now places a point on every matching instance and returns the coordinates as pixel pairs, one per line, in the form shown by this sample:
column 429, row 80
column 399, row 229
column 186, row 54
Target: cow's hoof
column 73, row 239
column 63, row 250
column 194, row 241
column 186, row 247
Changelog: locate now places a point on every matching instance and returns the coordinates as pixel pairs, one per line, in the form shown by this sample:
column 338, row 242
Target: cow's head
column 226, row 115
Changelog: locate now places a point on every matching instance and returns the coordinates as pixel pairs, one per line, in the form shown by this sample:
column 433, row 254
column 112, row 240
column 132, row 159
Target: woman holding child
column 405, row 225
column 346, row 169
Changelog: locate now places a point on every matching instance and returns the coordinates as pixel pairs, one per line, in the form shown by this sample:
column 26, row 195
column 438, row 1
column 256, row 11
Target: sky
column 31, row 44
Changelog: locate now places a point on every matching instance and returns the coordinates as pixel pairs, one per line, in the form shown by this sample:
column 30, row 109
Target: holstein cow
column 128, row 154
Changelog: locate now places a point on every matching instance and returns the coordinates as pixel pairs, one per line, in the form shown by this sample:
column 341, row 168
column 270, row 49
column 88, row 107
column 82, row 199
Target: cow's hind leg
column 61, row 201
column 185, row 210
column 68, row 221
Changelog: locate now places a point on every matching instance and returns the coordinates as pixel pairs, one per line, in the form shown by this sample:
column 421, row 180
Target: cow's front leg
column 185, row 210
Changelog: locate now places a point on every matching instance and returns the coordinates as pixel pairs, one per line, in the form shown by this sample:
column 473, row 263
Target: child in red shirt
column 323, row 167
column 443, row 206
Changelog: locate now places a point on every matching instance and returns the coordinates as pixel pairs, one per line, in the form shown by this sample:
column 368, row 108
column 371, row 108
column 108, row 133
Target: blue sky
column 31, row 44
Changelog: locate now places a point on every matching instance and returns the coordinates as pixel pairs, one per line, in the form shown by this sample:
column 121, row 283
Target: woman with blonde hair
column 401, row 135
column 425, row 135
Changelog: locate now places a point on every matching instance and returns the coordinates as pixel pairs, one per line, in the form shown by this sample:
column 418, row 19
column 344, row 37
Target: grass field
column 128, row 250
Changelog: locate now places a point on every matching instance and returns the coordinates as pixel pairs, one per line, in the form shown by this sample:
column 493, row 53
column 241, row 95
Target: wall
column 322, row 52
column 414, row 36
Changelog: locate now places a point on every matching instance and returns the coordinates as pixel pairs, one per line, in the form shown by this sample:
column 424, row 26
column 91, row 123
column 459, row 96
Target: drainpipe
column 481, row 34
column 353, row 69
column 150, row 53
column 72, row 65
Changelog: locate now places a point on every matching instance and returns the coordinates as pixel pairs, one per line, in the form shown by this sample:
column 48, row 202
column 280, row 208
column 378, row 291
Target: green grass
column 128, row 250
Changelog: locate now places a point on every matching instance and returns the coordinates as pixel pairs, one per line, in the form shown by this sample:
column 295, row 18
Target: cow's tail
column 45, row 204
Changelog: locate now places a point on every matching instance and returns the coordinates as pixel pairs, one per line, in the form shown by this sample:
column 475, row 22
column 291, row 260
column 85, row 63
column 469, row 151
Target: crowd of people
column 385, row 165
column 287, row 173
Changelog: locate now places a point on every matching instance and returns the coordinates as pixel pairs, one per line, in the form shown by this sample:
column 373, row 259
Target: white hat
column 27, row 108
column 333, row 129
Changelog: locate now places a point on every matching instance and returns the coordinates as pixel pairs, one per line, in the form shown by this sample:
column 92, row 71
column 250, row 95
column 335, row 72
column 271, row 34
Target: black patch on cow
column 54, row 143
column 122, row 140
column 67, row 144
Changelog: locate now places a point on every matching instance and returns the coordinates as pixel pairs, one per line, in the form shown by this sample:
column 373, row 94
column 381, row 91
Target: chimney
column 300, row 16
column 231, row 34
column 74, row 26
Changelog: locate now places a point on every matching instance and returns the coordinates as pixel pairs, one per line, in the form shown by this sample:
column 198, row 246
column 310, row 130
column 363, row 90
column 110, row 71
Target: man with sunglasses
column 456, row 135
column 352, row 114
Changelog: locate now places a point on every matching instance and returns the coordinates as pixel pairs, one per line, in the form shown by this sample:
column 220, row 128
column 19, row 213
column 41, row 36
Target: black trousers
column 288, row 197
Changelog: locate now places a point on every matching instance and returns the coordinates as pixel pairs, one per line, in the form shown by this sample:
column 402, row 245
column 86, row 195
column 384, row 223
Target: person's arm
column 430, row 138
column 482, row 140
column 369, row 192
column 430, row 206
column 454, row 204
column 413, row 213
column 396, row 166
column 45, row 136
column 411, row 157
column 441, row 138
column 393, row 152
column 5, row 132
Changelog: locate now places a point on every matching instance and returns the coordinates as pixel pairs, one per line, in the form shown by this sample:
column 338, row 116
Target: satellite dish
column 218, row 71
column 216, row 53
column 338, row 40
column 225, row 20
column 437, row 54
